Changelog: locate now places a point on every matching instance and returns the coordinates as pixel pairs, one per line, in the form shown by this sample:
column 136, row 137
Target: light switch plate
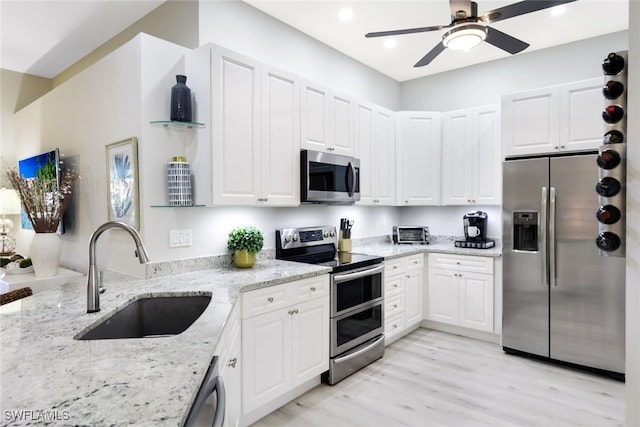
column 179, row 238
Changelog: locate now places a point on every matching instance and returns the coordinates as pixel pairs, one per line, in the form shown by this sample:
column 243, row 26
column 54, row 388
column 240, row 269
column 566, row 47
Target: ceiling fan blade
column 406, row 31
column 520, row 8
column 431, row 55
column 505, row 41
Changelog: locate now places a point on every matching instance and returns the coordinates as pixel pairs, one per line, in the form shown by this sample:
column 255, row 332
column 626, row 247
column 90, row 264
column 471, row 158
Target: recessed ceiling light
column 390, row 43
column 345, row 14
column 558, row 10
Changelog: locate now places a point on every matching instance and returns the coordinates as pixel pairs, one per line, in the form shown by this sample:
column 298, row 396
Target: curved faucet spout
column 93, row 294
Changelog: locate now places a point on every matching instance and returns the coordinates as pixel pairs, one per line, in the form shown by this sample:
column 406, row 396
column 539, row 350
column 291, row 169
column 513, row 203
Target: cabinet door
column 231, row 372
column 280, row 137
column 236, row 128
column 414, row 285
column 530, row 122
column 486, row 179
column 457, row 157
column 581, row 106
column 364, row 151
column 341, row 124
column 309, row 339
column 315, row 116
column 384, row 153
column 443, row 296
column 476, row 301
column 418, row 162
column 266, row 357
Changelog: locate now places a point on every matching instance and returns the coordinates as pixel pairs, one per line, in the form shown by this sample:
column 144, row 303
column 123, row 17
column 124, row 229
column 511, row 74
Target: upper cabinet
column 553, row 119
column 375, row 147
column 471, row 163
column 328, row 120
column 256, row 132
column 418, row 158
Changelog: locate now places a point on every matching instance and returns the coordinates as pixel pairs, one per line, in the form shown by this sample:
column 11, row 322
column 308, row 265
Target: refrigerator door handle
column 552, row 237
column 543, row 234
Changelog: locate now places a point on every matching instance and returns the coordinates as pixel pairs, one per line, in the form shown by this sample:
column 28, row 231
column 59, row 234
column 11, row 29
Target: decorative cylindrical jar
column 179, row 182
column 45, row 254
column 242, row 258
column 181, row 100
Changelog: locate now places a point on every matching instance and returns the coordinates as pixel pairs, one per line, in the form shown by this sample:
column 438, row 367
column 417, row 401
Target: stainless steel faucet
column 93, row 294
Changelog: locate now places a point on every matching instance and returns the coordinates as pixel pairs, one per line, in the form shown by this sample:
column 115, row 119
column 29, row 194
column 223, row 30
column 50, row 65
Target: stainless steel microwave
column 329, row 178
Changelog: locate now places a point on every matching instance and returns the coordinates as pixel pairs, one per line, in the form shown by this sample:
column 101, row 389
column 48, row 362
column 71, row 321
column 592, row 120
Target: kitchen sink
column 150, row 317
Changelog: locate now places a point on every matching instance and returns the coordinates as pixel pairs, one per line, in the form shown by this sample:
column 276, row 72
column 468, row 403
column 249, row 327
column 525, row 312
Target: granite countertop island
column 49, row 378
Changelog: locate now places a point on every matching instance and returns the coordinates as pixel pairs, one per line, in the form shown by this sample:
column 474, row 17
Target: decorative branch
column 43, row 199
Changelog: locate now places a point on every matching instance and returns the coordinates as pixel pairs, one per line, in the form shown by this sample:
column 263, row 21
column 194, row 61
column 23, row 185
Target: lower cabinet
column 460, row 291
column 229, row 366
column 404, row 284
column 285, row 339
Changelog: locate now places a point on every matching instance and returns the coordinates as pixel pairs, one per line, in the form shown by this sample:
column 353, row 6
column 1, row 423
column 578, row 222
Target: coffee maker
column 475, row 231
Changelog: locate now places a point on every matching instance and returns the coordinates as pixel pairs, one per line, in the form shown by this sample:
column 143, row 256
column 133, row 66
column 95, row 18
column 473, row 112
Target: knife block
column 344, row 245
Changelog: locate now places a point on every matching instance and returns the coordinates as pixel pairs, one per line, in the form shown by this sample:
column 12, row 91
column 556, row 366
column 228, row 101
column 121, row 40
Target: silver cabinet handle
column 232, row 362
column 270, row 299
column 292, row 312
column 395, row 305
column 313, row 289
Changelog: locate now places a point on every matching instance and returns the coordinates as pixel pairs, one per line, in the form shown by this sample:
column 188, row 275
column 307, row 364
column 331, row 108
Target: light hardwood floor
column 432, row 378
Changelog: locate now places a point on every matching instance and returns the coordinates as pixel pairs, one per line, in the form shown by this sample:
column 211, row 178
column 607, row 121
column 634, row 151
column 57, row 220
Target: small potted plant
column 246, row 242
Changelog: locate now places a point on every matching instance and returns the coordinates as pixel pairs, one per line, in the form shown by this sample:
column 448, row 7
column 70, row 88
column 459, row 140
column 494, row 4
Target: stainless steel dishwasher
column 209, row 406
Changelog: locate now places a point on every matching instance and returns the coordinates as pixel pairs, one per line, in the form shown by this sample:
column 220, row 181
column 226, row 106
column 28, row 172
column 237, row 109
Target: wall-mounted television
column 29, row 167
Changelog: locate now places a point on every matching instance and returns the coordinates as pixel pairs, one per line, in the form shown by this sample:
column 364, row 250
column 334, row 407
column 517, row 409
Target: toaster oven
column 417, row 234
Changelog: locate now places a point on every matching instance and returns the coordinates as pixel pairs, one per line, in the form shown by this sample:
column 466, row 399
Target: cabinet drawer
column 393, row 305
column 392, row 267
column 393, row 325
column 311, row 288
column 413, row 261
column 264, row 300
column 393, row 285
column 473, row 264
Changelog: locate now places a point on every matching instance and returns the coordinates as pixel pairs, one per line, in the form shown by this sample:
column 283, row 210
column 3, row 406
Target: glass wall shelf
column 169, row 206
column 176, row 124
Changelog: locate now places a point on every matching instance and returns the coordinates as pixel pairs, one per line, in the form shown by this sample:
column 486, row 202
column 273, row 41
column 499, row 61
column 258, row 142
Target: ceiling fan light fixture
column 464, row 37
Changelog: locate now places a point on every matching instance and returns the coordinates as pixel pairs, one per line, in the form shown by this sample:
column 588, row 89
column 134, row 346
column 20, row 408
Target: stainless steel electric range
column 357, row 296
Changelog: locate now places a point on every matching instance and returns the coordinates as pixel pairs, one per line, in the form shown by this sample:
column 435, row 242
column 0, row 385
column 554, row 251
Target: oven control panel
column 289, row 238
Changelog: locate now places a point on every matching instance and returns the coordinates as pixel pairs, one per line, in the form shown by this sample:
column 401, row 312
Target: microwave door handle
column 352, row 187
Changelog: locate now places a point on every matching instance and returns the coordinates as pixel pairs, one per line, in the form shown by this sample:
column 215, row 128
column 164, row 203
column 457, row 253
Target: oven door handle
column 337, row 278
column 362, row 350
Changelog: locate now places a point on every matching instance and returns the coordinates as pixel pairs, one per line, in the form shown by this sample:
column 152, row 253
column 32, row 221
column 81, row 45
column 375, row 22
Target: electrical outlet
column 179, row 238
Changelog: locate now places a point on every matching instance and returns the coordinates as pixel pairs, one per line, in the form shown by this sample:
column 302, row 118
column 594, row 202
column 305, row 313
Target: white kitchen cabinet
column 560, row 118
column 418, row 158
column 460, row 291
column 230, row 364
column 285, row 339
column 327, row 120
column 404, row 287
column 471, row 162
column 256, row 132
column 375, row 147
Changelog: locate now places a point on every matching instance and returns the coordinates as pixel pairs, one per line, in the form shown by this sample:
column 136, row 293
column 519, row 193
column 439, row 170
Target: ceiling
column 45, row 37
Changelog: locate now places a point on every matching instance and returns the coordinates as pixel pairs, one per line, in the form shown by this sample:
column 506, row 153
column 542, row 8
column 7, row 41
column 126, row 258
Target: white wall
column 633, row 221
column 485, row 83
column 251, row 32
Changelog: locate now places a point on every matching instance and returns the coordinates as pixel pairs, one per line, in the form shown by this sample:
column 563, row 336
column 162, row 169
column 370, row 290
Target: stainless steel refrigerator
column 562, row 300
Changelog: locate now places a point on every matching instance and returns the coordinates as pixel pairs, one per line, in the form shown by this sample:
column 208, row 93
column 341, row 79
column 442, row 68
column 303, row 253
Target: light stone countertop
column 47, row 375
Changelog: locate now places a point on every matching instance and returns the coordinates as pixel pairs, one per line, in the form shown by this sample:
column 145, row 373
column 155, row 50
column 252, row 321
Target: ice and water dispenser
column 525, row 231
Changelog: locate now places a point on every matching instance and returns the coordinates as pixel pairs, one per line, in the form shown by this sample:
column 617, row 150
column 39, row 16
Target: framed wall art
column 122, row 182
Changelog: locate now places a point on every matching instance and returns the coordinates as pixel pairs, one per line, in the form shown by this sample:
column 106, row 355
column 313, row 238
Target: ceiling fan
column 465, row 32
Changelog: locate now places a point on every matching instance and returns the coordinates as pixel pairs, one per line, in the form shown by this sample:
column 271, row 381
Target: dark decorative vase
column 181, row 100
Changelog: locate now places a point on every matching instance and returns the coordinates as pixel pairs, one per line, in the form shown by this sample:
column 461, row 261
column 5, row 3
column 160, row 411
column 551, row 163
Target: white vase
column 45, row 254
